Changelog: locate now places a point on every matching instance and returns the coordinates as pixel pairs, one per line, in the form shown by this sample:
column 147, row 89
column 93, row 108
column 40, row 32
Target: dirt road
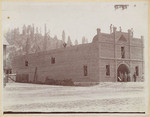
column 105, row 97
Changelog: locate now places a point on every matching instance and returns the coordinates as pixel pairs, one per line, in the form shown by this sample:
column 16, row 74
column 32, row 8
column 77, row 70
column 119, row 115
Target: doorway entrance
column 123, row 73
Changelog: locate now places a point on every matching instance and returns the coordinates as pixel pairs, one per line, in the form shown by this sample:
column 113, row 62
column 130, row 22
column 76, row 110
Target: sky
column 77, row 19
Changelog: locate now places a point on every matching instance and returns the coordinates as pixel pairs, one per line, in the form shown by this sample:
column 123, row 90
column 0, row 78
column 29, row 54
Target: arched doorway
column 123, row 73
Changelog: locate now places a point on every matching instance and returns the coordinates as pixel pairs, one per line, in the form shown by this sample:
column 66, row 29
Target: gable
column 122, row 38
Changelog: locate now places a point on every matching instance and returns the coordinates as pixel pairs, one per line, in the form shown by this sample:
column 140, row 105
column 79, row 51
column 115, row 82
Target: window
column 122, row 52
column 107, row 70
column 8, row 71
column 137, row 70
column 85, row 70
column 52, row 60
column 26, row 63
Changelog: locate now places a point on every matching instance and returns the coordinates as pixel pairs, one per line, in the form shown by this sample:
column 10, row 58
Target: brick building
column 113, row 57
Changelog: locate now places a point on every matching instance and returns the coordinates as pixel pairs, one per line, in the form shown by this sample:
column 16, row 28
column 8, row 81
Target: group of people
column 126, row 77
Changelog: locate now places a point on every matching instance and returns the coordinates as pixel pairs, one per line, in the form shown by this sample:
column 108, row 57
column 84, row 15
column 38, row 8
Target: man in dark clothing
column 128, row 77
column 134, row 77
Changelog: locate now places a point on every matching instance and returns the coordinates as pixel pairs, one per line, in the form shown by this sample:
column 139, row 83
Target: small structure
column 113, row 57
column 5, row 44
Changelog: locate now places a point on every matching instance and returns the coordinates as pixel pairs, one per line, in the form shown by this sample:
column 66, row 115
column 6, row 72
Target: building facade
column 114, row 57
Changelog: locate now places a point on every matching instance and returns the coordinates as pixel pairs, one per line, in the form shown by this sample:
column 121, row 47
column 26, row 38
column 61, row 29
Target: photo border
column 73, row 114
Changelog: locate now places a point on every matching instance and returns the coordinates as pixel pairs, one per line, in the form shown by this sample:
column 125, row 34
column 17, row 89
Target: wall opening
column 122, row 52
column 123, row 73
column 52, row 60
column 107, row 70
column 85, row 70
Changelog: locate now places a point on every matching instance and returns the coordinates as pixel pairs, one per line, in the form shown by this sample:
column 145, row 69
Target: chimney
column 120, row 29
column 130, row 33
column 98, row 31
column 110, row 28
column 114, row 29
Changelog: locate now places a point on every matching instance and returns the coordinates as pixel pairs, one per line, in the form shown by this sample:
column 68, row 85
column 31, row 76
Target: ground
column 105, row 97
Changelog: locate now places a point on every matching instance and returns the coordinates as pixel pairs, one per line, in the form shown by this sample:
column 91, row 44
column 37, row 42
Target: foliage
column 30, row 40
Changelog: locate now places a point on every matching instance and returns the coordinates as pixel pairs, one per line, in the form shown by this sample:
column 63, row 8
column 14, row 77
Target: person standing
column 128, row 77
column 125, row 77
column 121, row 76
column 134, row 77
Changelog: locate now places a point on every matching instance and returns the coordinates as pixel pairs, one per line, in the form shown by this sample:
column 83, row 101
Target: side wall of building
column 69, row 64
column 137, row 57
column 106, row 58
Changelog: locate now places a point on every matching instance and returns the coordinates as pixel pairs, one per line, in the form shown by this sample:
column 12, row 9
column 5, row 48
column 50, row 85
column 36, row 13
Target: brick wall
column 68, row 64
column 136, row 52
column 106, row 50
column 102, row 70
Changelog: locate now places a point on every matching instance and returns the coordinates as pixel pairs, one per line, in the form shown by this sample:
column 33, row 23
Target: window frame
column 107, row 70
column 122, row 52
column 85, row 70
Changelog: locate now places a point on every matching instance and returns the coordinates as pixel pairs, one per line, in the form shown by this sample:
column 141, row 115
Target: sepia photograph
column 74, row 57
